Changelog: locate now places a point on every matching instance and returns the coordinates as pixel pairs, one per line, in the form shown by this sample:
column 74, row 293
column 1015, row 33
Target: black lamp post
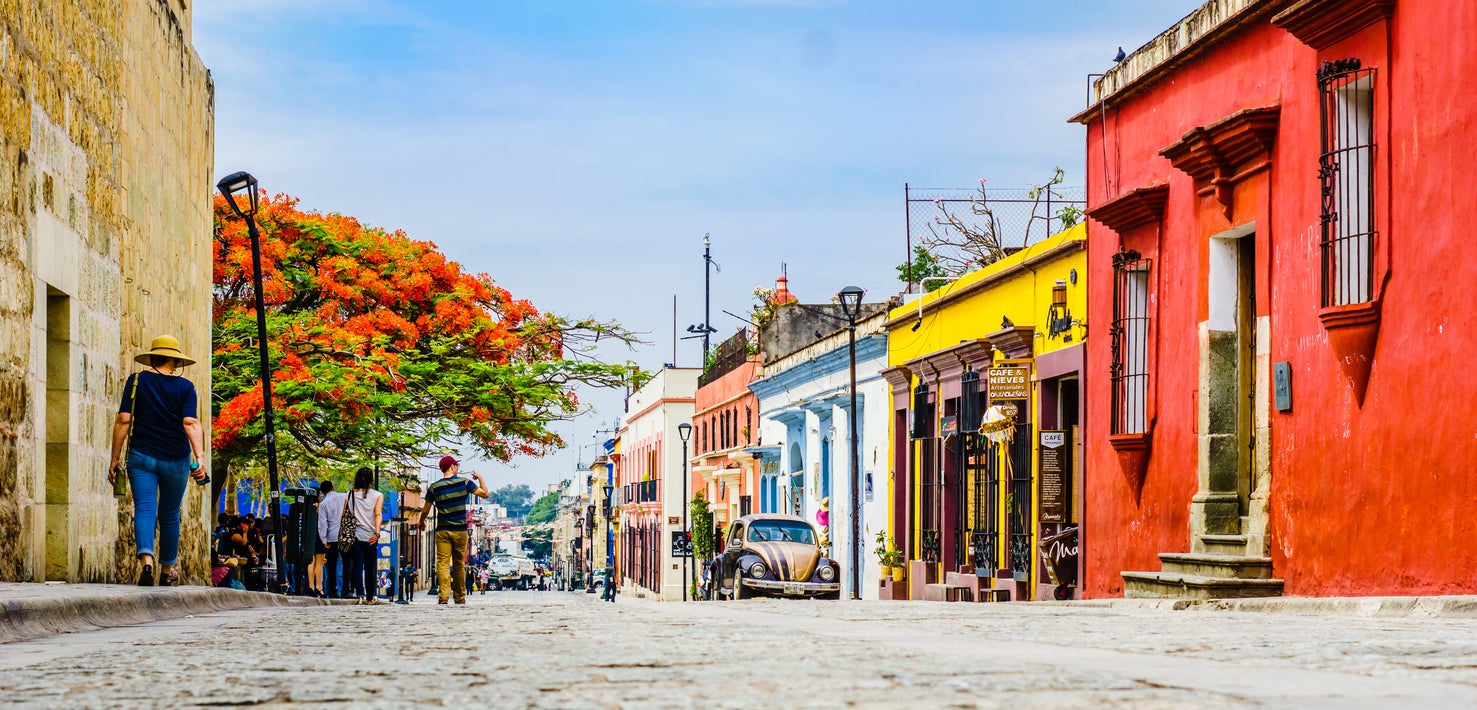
column 231, row 186
column 684, row 432
column 851, row 305
column 398, row 575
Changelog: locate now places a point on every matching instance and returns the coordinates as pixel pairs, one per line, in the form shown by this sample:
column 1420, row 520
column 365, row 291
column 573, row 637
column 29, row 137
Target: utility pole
column 705, row 329
column 707, row 293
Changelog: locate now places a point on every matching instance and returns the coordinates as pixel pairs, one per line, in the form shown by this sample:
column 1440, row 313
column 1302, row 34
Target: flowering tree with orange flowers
column 383, row 349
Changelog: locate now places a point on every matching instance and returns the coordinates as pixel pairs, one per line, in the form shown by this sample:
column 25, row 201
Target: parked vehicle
column 511, row 572
column 773, row 555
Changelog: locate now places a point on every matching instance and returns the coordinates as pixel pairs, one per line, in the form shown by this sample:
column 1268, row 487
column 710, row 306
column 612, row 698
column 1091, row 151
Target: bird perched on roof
column 1121, row 56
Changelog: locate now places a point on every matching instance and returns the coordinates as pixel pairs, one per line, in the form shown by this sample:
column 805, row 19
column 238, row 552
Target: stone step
column 1223, row 544
column 1213, row 565
column 1170, row 585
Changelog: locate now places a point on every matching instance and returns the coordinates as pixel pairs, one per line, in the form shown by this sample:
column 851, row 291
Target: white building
column 804, row 415
column 649, row 484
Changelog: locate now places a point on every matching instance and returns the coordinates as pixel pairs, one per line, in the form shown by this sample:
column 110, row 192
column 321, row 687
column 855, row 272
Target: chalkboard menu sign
column 1055, row 479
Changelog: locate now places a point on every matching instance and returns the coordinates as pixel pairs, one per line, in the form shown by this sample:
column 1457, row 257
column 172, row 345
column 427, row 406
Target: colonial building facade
column 804, row 407
column 649, row 481
column 999, row 349
column 724, row 429
column 1274, row 247
column 105, row 238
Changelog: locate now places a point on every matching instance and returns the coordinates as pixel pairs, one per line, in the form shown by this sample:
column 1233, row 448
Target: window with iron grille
column 1346, row 181
column 1129, row 336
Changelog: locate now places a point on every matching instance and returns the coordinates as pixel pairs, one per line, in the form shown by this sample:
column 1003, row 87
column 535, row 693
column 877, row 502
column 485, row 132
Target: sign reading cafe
column 1009, row 383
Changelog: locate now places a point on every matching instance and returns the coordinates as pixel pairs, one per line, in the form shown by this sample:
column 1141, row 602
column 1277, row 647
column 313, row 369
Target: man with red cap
column 450, row 497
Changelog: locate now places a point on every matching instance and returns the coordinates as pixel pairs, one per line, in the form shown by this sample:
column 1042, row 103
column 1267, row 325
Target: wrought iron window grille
column 1346, row 182
column 1128, row 338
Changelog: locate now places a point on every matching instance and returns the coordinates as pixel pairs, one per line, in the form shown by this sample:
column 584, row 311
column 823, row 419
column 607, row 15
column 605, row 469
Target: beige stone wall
column 106, row 130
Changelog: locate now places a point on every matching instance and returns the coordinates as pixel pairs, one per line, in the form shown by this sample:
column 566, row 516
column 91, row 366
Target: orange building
column 724, row 426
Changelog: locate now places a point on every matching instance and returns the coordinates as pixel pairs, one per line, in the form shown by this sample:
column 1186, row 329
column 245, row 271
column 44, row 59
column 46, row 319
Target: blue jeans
column 158, row 490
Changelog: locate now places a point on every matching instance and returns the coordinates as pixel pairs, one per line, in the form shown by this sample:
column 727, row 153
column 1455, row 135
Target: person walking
column 368, row 506
column 330, row 512
column 449, row 496
column 158, row 423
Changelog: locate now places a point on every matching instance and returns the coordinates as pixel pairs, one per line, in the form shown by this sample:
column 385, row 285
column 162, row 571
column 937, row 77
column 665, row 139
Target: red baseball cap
column 448, row 462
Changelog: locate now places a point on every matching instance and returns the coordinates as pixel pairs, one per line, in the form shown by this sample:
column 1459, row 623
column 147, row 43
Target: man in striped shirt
column 450, row 497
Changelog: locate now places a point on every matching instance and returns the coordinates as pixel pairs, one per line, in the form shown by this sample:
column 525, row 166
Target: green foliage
column 515, row 497
column 886, row 550
column 704, row 542
column 1069, row 216
column 544, row 509
column 924, row 266
column 539, row 542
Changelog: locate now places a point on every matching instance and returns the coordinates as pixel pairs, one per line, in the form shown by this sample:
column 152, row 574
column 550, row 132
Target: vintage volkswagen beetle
column 773, row 555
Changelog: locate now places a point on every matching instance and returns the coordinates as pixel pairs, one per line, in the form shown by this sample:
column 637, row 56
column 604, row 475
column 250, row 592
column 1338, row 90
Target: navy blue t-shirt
column 158, row 419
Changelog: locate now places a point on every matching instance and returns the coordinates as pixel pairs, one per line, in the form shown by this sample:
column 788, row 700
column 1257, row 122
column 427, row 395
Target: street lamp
column 231, row 186
column 684, row 432
column 398, row 575
column 851, row 305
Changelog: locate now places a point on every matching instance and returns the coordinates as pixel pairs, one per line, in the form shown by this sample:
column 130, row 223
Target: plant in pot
column 882, row 545
column 889, row 557
column 894, row 560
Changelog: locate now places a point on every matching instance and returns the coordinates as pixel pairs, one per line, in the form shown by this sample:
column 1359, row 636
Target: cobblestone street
column 529, row 649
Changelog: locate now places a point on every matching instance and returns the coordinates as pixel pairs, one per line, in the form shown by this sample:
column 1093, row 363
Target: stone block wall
column 106, row 158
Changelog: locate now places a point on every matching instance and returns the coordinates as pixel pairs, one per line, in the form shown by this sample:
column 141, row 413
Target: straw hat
column 164, row 346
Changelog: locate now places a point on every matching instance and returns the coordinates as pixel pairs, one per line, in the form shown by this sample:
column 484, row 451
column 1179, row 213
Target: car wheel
column 738, row 585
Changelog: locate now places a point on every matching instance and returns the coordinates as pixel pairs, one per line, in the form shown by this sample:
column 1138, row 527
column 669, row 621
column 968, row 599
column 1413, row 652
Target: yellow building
column 998, row 350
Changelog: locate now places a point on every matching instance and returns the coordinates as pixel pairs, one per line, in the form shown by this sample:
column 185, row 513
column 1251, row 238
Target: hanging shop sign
column 1055, row 479
column 1009, row 383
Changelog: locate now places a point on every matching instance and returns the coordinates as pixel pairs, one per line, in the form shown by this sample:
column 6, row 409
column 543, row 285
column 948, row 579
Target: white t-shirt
column 365, row 524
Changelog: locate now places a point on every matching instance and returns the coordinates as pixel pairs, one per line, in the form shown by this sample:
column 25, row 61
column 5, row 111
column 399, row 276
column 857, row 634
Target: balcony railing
column 643, row 492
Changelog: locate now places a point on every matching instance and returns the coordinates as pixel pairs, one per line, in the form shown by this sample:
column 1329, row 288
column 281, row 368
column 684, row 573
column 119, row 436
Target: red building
column 1275, row 253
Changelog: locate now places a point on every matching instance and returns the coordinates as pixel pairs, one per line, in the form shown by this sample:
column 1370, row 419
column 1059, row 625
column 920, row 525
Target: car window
column 781, row 531
column 738, row 534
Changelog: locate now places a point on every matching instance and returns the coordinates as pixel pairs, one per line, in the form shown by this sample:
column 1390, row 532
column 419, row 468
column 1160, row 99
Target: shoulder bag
column 346, row 525
column 120, row 474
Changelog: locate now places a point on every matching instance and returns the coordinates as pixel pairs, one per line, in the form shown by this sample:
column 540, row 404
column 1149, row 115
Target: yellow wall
column 1019, row 288
column 1018, row 292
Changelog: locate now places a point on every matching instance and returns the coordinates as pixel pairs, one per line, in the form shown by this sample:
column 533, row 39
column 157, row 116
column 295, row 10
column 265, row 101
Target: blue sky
column 578, row 151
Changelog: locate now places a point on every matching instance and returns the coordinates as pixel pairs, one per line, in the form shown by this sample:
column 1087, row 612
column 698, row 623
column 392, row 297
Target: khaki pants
column 451, row 555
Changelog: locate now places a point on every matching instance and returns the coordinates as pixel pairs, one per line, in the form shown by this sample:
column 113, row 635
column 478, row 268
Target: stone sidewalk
column 31, row 611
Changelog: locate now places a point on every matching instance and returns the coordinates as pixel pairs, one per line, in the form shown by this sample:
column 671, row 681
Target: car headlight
column 758, row 570
column 827, row 574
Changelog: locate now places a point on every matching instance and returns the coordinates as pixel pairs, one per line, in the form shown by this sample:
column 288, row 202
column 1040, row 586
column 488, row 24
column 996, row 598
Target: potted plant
column 881, row 545
column 888, row 556
column 895, row 563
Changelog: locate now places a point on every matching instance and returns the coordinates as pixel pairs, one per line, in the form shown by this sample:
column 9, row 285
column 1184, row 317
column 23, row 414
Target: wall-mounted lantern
column 1059, row 318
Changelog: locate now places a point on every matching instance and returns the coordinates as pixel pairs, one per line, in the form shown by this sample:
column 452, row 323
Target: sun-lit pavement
column 552, row 649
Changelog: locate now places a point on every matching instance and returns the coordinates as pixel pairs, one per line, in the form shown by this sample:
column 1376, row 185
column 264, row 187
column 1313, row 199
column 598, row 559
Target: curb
column 1443, row 607
column 35, row 618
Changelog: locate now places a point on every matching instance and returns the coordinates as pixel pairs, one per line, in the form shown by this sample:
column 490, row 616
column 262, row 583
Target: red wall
column 1365, row 500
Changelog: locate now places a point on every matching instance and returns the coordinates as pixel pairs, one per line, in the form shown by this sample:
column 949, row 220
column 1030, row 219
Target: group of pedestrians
column 347, row 560
column 240, row 551
column 157, row 448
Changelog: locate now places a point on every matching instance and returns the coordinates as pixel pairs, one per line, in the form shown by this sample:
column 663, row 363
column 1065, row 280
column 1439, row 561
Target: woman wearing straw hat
column 158, row 421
